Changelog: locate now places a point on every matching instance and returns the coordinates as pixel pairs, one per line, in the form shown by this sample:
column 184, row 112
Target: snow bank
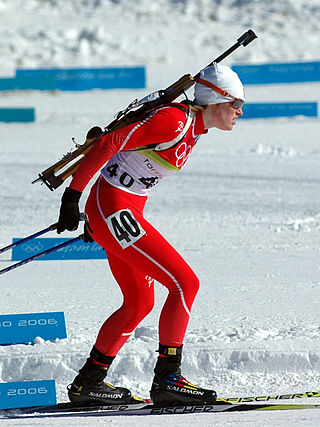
column 170, row 32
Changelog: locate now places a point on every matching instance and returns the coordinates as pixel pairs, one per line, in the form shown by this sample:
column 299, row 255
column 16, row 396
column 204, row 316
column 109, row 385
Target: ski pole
column 39, row 255
column 32, row 236
column 37, row 234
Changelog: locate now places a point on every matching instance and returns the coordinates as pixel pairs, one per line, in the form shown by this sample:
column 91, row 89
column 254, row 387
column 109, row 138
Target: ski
column 266, row 398
column 145, row 408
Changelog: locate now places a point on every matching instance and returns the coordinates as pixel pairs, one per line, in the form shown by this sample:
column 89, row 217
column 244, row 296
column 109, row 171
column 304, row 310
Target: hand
column 69, row 211
column 86, row 235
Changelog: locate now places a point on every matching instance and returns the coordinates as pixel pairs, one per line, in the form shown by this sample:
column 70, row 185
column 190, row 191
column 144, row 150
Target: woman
column 133, row 160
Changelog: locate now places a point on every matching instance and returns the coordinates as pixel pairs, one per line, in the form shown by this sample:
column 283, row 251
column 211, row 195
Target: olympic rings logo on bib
column 183, row 152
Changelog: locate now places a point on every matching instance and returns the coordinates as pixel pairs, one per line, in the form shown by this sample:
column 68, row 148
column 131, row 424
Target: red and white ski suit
column 137, row 253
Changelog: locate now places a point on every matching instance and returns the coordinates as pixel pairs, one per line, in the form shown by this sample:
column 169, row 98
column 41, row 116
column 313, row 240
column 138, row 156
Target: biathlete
column 137, row 253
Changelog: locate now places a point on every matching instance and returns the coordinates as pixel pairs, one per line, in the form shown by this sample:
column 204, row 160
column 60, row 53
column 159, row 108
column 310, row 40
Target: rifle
column 133, row 113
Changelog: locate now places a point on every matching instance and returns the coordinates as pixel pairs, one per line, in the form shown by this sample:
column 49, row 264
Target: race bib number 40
column 125, row 228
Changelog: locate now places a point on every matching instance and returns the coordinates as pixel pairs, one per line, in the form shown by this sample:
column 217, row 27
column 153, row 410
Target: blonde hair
column 195, row 108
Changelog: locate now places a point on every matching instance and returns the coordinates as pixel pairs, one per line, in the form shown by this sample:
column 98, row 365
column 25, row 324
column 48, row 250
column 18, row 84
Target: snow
column 244, row 212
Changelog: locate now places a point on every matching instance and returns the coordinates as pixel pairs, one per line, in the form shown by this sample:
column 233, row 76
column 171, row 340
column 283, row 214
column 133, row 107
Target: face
column 222, row 116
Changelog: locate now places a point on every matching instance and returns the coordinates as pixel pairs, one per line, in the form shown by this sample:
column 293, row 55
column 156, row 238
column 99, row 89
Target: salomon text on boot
column 169, row 387
column 88, row 387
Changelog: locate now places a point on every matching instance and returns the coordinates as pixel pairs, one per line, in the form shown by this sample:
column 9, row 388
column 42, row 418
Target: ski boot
column 88, row 387
column 169, row 387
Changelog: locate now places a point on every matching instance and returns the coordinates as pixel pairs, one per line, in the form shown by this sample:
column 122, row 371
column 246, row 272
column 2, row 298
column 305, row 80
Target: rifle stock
column 53, row 181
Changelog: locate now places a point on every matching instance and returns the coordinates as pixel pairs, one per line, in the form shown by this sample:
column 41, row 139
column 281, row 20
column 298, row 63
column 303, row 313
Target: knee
column 189, row 285
column 147, row 306
column 194, row 285
column 140, row 309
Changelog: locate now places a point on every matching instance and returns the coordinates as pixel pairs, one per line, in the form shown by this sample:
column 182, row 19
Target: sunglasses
column 237, row 103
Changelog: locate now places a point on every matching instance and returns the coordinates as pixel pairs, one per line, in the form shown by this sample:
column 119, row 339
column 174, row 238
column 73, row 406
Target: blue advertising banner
column 28, row 83
column 279, row 109
column 294, row 72
column 76, row 250
column 76, row 79
column 24, row 394
column 17, row 115
column 24, row 328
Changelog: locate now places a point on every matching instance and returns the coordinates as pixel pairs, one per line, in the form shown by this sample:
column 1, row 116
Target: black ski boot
column 88, row 387
column 169, row 387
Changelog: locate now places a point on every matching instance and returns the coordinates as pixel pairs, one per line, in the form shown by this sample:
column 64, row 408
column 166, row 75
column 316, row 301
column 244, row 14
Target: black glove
column 69, row 211
column 86, row 235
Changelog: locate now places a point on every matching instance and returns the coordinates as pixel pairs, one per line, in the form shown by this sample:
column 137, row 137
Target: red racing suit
column 137, row 253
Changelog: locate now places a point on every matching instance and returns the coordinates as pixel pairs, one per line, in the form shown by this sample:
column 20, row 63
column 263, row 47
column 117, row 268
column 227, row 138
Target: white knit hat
column 221, row 76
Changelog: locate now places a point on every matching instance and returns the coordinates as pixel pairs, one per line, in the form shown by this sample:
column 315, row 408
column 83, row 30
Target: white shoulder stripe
column 133, row 130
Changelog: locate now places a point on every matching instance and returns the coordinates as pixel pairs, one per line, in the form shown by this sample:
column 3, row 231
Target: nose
column 239, row 111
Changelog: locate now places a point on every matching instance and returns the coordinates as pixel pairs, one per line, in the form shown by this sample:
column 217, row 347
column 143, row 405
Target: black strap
column 170, row 351
column 183, row 108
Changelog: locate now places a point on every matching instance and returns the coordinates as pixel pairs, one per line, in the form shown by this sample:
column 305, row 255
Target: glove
column 69, row 211
column 86, row 235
